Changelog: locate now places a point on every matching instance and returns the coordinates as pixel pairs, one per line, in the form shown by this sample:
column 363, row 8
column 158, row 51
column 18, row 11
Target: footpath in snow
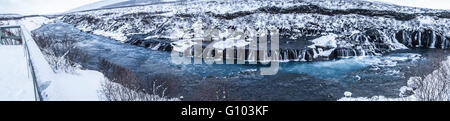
column 15, row 84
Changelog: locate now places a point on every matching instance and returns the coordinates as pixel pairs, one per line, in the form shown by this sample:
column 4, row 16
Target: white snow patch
column 117, row 36
column 82, row 85
column 33, row 23
column 347, row 94
column 229, row 43
column 378, row 98
column 15, row 84
column 356, row 32
column 358, row 77
column 325, row 41
column 426, row 20
column 326, row 53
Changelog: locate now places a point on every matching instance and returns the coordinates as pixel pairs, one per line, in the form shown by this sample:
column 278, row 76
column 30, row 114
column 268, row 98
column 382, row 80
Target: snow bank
column 230, row 43
column 426, row 20
column 114, row 35
column 325, row 41
column 44, row 72
column 83, row 85
column 15, row 84
column 378, row 98
column 33, row 23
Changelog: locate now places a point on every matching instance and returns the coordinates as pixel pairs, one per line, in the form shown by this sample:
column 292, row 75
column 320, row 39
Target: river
column 321, row 80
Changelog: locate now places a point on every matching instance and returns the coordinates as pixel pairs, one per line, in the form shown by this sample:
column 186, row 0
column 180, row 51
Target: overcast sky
column 27, row 7
column 436, row 4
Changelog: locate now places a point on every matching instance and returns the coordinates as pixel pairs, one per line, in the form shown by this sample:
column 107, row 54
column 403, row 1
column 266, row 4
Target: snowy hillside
column 96, row 5
column 362, row 28
column 116, row 3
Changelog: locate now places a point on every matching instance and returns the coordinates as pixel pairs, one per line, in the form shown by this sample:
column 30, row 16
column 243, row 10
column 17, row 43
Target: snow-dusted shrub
column 124, row 85
column 116, row 92
column 435, row 86
column 60, row 53
column 59, row 64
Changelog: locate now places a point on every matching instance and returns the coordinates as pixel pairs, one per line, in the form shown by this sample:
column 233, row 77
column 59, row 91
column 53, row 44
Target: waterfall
column 363, row 52
column 407, row 38
column 403, row 37
column 433, row 39
column 282, row 54
column 354, row 52
column 366, row 40
column 299, row 55
column 253, row 52
column 315, row 55
column 296, row 55
column 303, row 55
column 409, row 41
column 443, row 42
column 275, row 54
column 264, row 55
column 420, row 39
column 286, row 55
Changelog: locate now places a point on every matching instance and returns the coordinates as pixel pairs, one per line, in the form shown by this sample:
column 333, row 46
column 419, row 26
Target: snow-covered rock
column 325, row 41
column 347, row 94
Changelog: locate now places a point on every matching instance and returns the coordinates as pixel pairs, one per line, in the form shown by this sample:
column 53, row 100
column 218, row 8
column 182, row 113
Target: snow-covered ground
column 80, row 85
column 96, row 5
column 15, row 83
column 76, row 85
